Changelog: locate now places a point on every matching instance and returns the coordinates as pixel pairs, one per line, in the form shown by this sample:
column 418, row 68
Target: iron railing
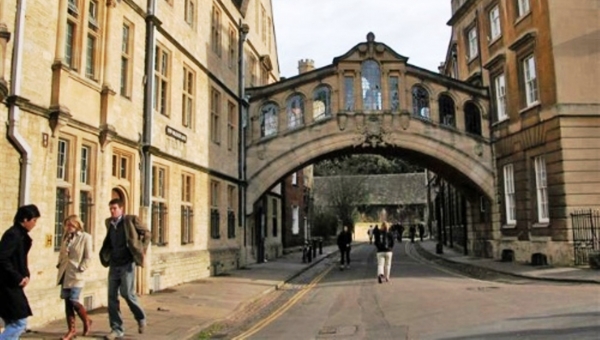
column 586, row 234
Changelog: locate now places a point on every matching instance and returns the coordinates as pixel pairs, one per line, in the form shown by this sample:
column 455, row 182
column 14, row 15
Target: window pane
column 349, row 93
column 371, row 85
column 321, row 103
column 295, row 111
column 394, row 94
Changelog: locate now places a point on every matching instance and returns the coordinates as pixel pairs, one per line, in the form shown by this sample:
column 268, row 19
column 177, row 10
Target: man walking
column 344, row 240
column 14, row 273
column 123, row 248
column 370, row 233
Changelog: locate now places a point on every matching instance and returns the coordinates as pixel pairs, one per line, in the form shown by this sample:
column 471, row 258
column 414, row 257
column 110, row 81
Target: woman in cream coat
column 74, row 259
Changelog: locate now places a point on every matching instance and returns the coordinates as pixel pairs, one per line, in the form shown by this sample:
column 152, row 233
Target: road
column 425, row 301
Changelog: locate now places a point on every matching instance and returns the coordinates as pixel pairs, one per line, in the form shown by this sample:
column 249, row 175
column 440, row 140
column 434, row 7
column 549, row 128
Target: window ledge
column 522, row 17
column 544, row 224
column 509, row 226
column 495, row 40
column 530, row 107
column 472, row 59
column 499, row 122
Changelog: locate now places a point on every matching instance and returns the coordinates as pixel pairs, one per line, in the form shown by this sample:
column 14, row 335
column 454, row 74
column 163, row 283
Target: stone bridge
column 369, row 100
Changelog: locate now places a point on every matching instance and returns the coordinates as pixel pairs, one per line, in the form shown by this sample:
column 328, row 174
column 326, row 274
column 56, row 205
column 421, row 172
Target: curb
column 523, row 276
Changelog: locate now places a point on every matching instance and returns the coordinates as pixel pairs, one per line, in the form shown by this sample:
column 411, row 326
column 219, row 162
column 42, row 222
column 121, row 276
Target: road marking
column 266, row 321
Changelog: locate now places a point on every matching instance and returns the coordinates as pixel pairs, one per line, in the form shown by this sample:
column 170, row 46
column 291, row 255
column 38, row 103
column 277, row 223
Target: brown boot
column 72, row 332
column 87, row 322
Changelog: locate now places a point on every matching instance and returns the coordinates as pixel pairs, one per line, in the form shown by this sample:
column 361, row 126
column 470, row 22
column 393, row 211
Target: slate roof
column 394, row 189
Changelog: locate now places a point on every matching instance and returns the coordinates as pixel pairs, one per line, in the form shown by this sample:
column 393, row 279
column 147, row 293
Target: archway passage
column 374, row 102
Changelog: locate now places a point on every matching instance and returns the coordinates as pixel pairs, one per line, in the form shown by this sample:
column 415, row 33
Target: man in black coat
column 343, row 241
column 14, row 273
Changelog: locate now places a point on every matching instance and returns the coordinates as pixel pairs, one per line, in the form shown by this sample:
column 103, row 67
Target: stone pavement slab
column 182, row 311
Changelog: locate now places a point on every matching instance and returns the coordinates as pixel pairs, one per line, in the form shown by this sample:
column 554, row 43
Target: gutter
column 148, row 91
column 14, row 111
column 242, row 109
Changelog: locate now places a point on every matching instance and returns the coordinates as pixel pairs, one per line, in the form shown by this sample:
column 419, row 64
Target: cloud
column 324, row 29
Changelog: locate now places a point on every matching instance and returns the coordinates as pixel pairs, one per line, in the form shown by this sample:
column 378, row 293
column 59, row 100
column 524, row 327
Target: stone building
column 541, row 63
column 133, row 99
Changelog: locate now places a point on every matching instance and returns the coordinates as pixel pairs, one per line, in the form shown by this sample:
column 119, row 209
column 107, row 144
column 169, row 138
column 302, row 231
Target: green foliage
column 363, row 165
column 325, row 223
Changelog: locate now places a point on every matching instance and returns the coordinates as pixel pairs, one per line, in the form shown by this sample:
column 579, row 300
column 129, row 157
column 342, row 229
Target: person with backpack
column 384, row 241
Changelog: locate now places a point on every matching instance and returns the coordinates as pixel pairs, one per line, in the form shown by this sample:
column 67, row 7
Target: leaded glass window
column 321, row 102
column 447, row 110
column 420, row 98
column 268, row 120
column 371, row 85
column 394, row 94
column 472, row 119
column 295, row 111
column 349, row 93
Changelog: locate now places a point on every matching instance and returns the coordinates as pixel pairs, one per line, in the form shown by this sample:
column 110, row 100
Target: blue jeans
column 121, row 279
column 13, row 329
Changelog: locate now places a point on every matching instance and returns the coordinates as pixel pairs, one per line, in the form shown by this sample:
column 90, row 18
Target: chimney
column 305, row 65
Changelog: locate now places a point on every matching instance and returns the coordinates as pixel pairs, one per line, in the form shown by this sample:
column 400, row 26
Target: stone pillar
column 108, row 93
column 59, row 53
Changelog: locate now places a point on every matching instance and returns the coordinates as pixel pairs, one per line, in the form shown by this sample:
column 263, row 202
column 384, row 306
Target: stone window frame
column 232, row 49
column 491, row 19
column 160, row 200
column 497, row 67
column 215, row 222
column 371, row 74
column 74, row 32
column 118, row 156
column 510, row 205
column 189, row 13
column 127, row 57
column 215, row 30
column 274, row 119
column 231, row 210
column 325, row 88
column 522, row 9
column 292, row 119
column 162, row 83
column 188, row 97
column 274, row 216
column 524, row 48
column 187, row 208
column 478, row 122
column 92, row 52
column 423, row 102
column 472, row 42
column 215, row 115
column 231, row 125
column 541, row 187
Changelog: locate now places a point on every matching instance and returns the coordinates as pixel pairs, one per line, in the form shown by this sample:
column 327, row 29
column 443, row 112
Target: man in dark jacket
column 343, row 241
column 123, row 248
column 384, row 241
column 14, row 272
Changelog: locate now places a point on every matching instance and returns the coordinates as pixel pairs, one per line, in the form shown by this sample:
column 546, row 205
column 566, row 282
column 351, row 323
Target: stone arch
column 466, row 161
column 121, row 193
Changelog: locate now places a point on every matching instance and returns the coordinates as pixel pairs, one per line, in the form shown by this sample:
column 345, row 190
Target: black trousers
column 345, row 252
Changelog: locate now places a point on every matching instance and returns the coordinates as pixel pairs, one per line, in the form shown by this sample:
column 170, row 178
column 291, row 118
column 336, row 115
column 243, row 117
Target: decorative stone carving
column 342, row 119
column 404, row 119
column 59, row 117
column 107, row 134
column 372, row 133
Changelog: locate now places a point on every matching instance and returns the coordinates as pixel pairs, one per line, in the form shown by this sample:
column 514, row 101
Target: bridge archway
column 371, row 105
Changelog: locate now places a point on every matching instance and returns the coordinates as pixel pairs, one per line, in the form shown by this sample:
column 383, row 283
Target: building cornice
column 461, row 12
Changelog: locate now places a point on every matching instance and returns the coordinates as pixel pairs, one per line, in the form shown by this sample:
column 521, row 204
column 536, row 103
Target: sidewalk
column 549, row 273
column 180, row 312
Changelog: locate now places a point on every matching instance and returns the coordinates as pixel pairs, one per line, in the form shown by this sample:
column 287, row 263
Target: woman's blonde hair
column 75, row 221
column 384, row 226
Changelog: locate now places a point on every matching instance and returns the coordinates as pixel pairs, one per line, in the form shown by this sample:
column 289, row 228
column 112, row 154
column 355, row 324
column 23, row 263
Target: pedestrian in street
column 370, row 233
column 73, row 261
column 384, row 241
column 343, row 241
column 412, row 233
column 400, row 232
column 14, row 272
column 421, row 231
column 123, row 248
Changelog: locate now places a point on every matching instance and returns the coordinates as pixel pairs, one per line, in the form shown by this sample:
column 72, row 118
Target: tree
column 343, row 195
column 364, row 165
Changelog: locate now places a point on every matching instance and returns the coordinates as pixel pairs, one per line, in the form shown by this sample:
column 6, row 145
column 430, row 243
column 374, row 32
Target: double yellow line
column 266, row 321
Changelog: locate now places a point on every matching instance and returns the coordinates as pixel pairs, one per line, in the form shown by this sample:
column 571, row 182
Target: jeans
column 13, row 329
column 384, row 263
column 121, row 279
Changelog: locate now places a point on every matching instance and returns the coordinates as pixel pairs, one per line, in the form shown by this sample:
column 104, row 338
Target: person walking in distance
column 412, row 232
column 384, row 241
column 370, row 233
column 421, row 231
column 344, row 240
column 14, row 273
column 123, row 248
column 73, row 261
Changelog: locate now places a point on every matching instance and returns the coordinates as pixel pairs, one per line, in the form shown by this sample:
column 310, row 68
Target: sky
column 324, row 29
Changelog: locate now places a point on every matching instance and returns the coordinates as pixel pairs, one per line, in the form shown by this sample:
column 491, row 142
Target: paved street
column 424, row 301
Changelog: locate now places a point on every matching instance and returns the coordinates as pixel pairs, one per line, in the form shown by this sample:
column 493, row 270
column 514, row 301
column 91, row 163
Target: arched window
column 268, row 119
column 371, row 85
column 447, row 111
column 295, row 111
column 472, row 119
column 321, row 102
column 420, row 98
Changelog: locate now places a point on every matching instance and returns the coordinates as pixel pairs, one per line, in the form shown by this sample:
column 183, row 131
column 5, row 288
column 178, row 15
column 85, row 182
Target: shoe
column 141, row 326
column 387, row 279
column 380, row 278
column 113, row 335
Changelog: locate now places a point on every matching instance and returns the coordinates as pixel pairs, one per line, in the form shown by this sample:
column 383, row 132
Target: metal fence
column 586, row 234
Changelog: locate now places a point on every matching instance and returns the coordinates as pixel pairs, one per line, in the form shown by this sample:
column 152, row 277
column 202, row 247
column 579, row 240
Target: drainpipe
column 242, row 109
column 148, row 91
column 14, row 111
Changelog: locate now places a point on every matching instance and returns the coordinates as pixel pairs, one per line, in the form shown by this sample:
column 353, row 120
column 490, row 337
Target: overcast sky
column 324, row 29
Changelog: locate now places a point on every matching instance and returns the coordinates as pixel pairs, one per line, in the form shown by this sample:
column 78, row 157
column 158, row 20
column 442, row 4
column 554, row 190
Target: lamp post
column 430, row 183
